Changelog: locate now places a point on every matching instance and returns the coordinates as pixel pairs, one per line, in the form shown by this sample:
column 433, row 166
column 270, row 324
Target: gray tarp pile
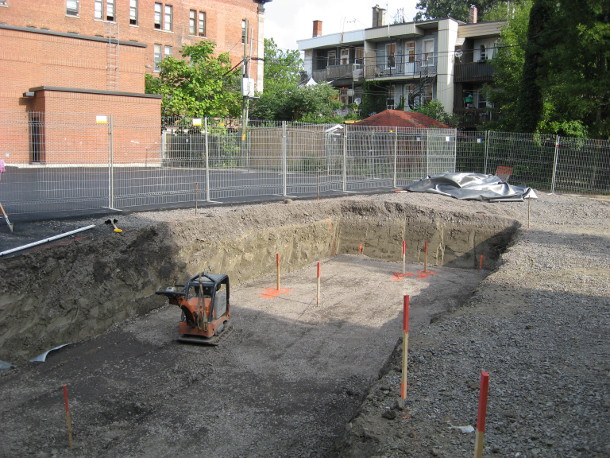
column 472, row 186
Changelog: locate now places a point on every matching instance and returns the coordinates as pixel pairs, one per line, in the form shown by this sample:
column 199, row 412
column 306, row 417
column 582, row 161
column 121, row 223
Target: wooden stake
column 425, row 256
column 405, row 347
column 361, row 249
column 277, row 262
column 404, row 256
column 482, row 414
column 318, row 280
column 68, row 419
column 481, row 260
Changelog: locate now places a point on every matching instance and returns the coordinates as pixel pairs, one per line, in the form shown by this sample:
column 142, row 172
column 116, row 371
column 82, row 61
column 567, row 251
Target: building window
column 197, row 23
column 202, row 22
column 158, row 15
column 158, row 56
column 133, row 12
column 428, row 57
column 167, row 19
column 390, row 52
column 72, row 7
column 332, row 58
column 193, row 22
column 110, row 10
column 168, row 52
column 359, row 55
column 344, row 56
column 99, row 10
column 390, row 99
column 3, row 2
column 410, row 48
column 483, row 56
column 244, row 31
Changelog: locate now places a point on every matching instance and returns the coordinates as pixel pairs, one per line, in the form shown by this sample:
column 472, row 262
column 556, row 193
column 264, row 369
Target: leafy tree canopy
column 569, row 74
column 459, row 9
column 202, row 84
column 283, row 99
column 435, row 110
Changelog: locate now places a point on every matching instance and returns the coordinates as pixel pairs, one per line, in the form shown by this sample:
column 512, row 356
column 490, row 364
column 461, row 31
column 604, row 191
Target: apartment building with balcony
column 91, row 56
column 408, row 64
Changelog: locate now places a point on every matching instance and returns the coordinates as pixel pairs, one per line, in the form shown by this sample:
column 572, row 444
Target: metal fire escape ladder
column 111, row 32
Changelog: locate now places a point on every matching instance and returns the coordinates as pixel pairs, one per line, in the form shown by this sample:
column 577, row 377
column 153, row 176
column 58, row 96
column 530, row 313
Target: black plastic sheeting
column 472, row 186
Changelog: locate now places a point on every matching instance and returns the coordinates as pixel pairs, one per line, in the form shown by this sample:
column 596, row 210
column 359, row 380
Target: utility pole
column 245, row 81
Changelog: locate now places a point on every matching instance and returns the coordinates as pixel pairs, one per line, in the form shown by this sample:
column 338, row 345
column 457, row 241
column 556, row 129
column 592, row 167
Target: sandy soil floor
column 287, row 377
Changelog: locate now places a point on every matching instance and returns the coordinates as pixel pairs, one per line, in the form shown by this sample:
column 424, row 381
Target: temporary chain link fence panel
column 73, row 164
column 55, row 164
column 542, row 161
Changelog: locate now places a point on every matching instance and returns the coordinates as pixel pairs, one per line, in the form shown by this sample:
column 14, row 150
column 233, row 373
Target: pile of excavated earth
column 518, row 290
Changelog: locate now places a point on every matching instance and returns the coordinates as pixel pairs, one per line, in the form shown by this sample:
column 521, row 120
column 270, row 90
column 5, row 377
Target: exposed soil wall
column 73, row 291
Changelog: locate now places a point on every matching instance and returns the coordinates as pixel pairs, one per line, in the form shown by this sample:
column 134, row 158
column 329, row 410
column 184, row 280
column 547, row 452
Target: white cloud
column 287, row 21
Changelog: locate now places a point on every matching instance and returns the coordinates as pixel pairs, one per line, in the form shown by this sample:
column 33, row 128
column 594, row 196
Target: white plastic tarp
column 472, row 186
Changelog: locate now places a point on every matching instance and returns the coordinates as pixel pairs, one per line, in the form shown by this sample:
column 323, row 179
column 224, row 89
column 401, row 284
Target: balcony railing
column 414, row 69
column 339, row 72
column 473, row 72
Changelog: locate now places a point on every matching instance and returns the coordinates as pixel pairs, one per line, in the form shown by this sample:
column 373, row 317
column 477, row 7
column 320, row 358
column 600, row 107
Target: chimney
column 317, row 28
column 472, row 15
column 378, row 16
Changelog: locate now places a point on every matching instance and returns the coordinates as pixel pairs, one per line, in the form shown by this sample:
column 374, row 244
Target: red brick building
column 91, row 57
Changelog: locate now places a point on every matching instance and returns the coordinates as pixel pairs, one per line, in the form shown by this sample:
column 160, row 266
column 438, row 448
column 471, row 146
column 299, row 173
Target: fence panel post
column 284, row 160
column 427, row 153
column 486, row 153
column 345, row 158
column 207, row 161
column 110, row 164
column 555, row 160
column 395, row 155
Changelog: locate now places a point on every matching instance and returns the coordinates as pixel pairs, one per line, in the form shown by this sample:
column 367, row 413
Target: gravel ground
column 539, row 325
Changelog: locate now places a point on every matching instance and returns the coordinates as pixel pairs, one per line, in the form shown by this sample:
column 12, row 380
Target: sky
column 287, row 21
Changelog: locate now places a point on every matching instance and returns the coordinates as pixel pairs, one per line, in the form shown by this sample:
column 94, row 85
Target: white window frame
column 133, row 12
column 73, row 10
column 157, row 56
column 344, row 56
column 167, row 51
column 331, row 58
column 192, row 22
column 359, row 55
column 105, row 10
column 168, row 18
column 244, row 32
column 158, row 16
column 390, row 58
column 428, row 54
column 202, row 23
column 110, row 10
column 98, row 9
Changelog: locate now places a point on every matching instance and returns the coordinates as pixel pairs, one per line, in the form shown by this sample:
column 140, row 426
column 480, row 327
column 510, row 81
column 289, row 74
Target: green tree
column 458, row 9
column 202, row 84
column 436, row 110
column 508, row 68
column 283, row 99
column 555, row 78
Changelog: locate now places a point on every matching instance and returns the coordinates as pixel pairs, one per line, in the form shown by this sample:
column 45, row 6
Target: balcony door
column 410, row 58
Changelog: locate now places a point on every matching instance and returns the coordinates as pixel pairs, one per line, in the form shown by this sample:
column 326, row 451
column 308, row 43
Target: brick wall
column 223, row 26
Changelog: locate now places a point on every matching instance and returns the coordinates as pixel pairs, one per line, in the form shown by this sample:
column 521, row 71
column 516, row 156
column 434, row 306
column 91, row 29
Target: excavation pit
column 288, row 365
